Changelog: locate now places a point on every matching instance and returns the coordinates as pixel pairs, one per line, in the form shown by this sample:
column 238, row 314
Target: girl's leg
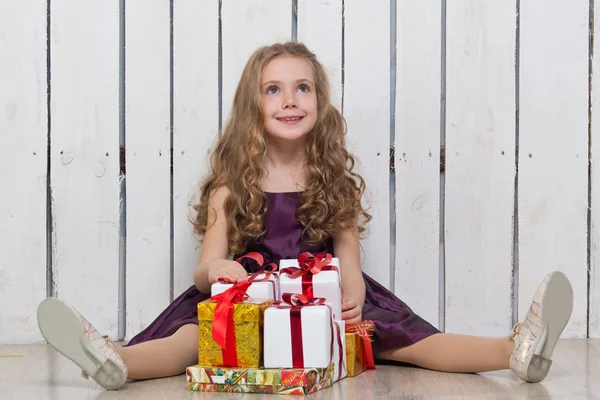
column 527, row 351
column 162, row 357
column 455, row 353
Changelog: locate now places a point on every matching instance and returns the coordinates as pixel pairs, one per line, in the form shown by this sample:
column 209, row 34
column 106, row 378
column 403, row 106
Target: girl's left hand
column 351, row 312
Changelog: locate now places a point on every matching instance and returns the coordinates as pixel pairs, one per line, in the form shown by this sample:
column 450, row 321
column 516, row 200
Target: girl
column 282, row 183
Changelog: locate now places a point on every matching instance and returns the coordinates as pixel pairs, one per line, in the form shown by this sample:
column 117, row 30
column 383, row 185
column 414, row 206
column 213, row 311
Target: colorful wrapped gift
column 359, row 350
column 313, row 276
column 265, row 282
column 300, row 333
column 230, row 329
column 257, row 380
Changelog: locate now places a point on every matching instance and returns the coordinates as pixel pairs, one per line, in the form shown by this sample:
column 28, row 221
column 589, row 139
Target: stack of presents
column 279, row 332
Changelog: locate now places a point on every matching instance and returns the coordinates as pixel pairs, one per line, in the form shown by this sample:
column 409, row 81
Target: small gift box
column 230, row 329
column 301, row 333
column 259, row 380
column 264, row 286
column 359, row 349
column 265, row 282
column 313, row 276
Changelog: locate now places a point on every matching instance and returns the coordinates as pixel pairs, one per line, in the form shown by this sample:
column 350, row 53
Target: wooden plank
column 553, row 151
column 23, row 161
column 594, row 287
column 327, row 13
column 417, row 155
column 85, row 157
column 366, row 107
column 195, row 121
column 147, row 111
column 248, row 25
column 480, row 165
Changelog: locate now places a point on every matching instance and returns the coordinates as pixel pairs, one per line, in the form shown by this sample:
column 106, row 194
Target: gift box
column 265, row 282
column 230, row 329
column 359, row 351
column 258, row 380
column 301, row 333
column 264, row 286
column 313, row 276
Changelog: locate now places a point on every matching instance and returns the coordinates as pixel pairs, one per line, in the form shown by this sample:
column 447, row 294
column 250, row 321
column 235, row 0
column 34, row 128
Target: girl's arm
column 213, row 256
column 346, row 246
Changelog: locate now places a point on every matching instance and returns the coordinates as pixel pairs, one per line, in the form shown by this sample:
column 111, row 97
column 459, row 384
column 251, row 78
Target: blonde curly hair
column 332, row 197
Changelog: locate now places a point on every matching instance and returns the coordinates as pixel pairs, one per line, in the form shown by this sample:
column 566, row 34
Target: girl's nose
column 289, row 101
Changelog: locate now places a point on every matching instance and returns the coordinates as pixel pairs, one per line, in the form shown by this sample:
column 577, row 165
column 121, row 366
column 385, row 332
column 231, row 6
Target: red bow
column 259, row 260
column 365, row 329
column 310, row 265
column 298, row 300
column 223, row 329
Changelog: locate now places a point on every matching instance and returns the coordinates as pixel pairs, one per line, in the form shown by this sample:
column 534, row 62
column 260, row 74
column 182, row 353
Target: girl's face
column 288, row 98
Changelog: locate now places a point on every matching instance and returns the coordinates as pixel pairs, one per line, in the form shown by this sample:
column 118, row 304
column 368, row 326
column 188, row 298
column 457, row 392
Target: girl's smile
column 290, row 120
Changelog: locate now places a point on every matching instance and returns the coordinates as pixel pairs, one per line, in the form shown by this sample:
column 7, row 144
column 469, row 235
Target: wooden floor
column 39, row 372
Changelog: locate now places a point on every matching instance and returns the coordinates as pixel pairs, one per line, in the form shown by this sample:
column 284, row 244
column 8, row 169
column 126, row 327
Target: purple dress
column 396, row 324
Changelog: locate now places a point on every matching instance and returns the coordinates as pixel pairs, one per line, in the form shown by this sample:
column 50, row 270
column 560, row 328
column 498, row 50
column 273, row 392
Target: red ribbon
column 365, row 329
column 295, row 302
column 310, row 265
column 223, row 329
column 340, row 347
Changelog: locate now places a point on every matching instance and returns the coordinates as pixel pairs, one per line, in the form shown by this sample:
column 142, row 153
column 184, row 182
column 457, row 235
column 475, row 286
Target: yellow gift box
column 355, row 353
column 248, row 318
column 359, row 351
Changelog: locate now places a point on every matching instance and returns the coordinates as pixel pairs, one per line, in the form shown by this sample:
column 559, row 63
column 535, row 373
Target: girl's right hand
column 230, row 270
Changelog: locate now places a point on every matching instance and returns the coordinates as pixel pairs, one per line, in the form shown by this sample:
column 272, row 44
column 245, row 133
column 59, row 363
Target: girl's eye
column 272, row 89
column 304, row 88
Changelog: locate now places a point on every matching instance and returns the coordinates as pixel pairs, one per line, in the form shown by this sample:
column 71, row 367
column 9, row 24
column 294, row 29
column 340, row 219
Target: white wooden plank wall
column 366, row 106
column 313, row 17
column 480, row 167
column 195, row 122
column 594, row 287
column 85, row 157
column 191, row 90
column 417, row 155
column 148, row 144
column 553, row 150
column 23, row 156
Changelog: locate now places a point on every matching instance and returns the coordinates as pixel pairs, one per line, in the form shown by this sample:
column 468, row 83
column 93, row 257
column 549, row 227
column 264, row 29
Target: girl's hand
column 229, row 270
column 351, row 312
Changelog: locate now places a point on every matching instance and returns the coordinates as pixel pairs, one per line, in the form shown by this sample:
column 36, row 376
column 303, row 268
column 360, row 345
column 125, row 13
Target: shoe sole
column 62, row 329
column 557, row 305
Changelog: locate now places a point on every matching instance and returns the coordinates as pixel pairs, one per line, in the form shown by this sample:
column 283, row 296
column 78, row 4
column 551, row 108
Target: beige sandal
column 71, row 334
column 536, row 337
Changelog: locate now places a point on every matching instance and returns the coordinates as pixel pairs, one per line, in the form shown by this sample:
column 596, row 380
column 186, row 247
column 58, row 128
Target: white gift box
column 257, row 290
column 316, row 327
column 326, row 284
